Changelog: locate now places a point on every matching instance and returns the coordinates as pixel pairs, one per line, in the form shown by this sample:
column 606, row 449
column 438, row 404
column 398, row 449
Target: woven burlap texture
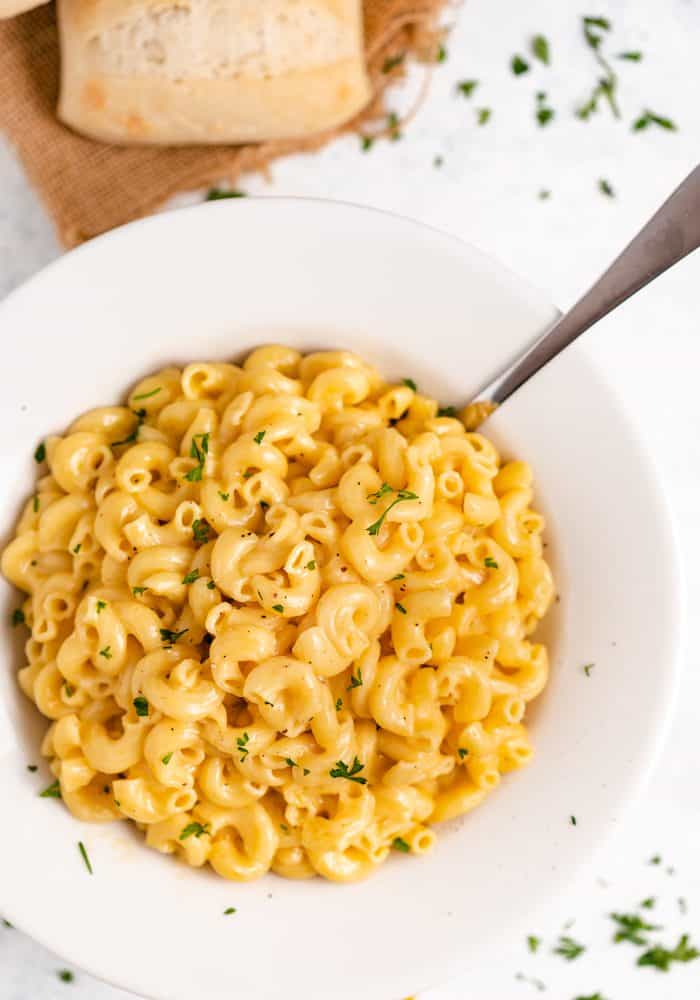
column 89, row 187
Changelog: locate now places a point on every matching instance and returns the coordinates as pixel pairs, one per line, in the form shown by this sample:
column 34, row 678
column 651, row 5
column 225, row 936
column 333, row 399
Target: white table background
column 487, row 192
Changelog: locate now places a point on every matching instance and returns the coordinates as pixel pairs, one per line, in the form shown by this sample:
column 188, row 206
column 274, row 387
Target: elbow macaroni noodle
column 280, row 614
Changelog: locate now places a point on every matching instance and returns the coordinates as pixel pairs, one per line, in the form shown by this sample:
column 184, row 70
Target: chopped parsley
column 198, row 452
column 219, row 194
column 544, row 194
column 191, row 576
column 568, row 948
column 101, row 605
column 587, row 667
column 400, row 608
column 170, row 637
column 69, row 689
column 242, row 744
column 540, row 49
column 410, row 384
column 341, row 770
column 631, row 927
column 35, row 504
column 441, row 54
column 533, row 943
column 490, row 562
column 338, row 704
column 229, row 910
column 537, row 983
column 77, row 548
column 447, row 411
column 399, row 844
column 40, row 453
column 466, row 87
column 224, row 496
column 290, row 763
column 648, row 118
column 137, row 591
column 106, row 652
column 259, row 436
column 211, row 585
column 649, row 903
column 84, row 856
column 65, row 975
column 399, row 576
column 366, row 143
column 593, row 33
column 168, row 757
column 572, row 820
column 194, row 830
column 378, row 494
column 311, row 564
column 200, row 531
column 543, row 113
column 591, row 996
column 18, row 617
column 130, row 438
column 355, row 682
column 52, row 792
column 279, row 608
column 6, row 923
column 483, row 116
column 606, row 188
column 147, row 395
column 401, row 496
column 519, row 65
column 141, row 705
column 393, row 126
column 462, row 753
column 661, row 958
column 32, row 768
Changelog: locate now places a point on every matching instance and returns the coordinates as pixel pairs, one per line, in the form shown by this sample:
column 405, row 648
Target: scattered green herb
column 401, row 496
column 290, row 763
column 587, row 667
column 462, row 753
column 69, row 689
column 661, row 958
column 409, row 383
column 572, row 820
column 198, row 452
column 141, row 705
column 6, row 923
column 648, row 118
column 18, row 617
column 533, row 943
column 606, row 188
column 483, row 116
column 438, row 161
column 341, row 771
column 366, row 143
column 635, row 56
column 224, row 496
column 401, row 609
column 35, row 503
column 544, row 194
column 211, row 585
column 399, row 844
column 229, row 910
column 338, row 704
column 355, row 682
column 649, row 903
column 194, row 830
column 32, row 768
column 441, row 54
column 65, row 975
column 543, row 113
column 540, row 49
column 447, row 411
column 52, row 792
column 259, row 436
column 568, row 948
column 101, row 605
column 168, row 757
column 655, row 860
column 191, row 576
column 466, row 87
column 218, row 194
column 532, row 980
column 631, row 927
column 106, row 652
column 170, row 637
column 200, row 531
column 40, row 453
column 77, row 548
column 137, row 591
column 279, row 608
column 399, row 576
column 84, row 856
column 242, row 744
column 311, row 565
column 490, row 562
column 147, row 395
column 519, row 65
column 592, row 996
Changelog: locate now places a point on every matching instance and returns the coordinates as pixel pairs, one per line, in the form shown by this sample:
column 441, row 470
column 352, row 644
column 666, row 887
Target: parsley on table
column 655, row 860
column 200, row 531
column 393, row 126
column 661, row 958
column 32, row 768
column 84, row 856
column 191, row 576
column 224, row 496
column 572, row 820
column 229, row 910
column 170, row 637
column 366, row 143
column 483, row 116
column 568, row 948
column 399, row 844
column 167, row 758
column 543, row 113
column 219, row 194
column 198, row 452
column 533, row 943
column 341, row 771
column 242, row 744
column 544, row 194
column 648, row 118
column 147, row 395
column 441, row 54
column 593, row 33
column 466, row 87
column 40, row 453
column 18, row 617
column 338, row 704
column 355, row 682
column 52, row 792
column 65, row 975
column 401, row 496
column 631, row 927
column 137, row 591
column 587, row 667
column 194, row 829
column 519, row 65
column 410, row 384
column 592, row 996
column 6, row 923
column 141, row 705
column 540, row 49
column 101, row 605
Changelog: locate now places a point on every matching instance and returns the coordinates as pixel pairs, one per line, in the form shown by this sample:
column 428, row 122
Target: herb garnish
column 191, row 576
column 466, row 87
column 259, row 436
column 77, row 548
column 490, row 562
column 224, row 496
column 40, row 453
column 168, row 757
column 147, row 395
column 338, row 704
column 32, row 768
column 587, row 667
column 540, row 49
column 106, row 652
column 568, row 948
column 393, row 126
column 141, row 705
column 631, row 927
column 65, row 975
column 52, row 792
column 533, row 943
column 170, row 637
column 18, row 617
column 279, row 608
column 200, row 531
column 661, row 958
column 393, row 62
column 199, row 452
column 519, row 65
column 401, row 496
column 341, row 771
column 635, row 56
column 410, row 384
column 400, row 608
column 572, row 820
column 35, row 504
column 366, row 143
column 483, row 115
column 228, row 910
column 218, row 194
column 101, row 605
column 84, row 855
column 462, row 753
column 649, row 903
column 194, row 829
column 355, row 682
column 606, row 188
column 447, row 411
column 399, row 844
column 137, row 591
column 211, row 585
column 648, row 118
column 311, row 565
column 242, row 744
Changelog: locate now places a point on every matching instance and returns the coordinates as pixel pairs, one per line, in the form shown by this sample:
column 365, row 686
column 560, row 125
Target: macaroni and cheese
column 280, row 614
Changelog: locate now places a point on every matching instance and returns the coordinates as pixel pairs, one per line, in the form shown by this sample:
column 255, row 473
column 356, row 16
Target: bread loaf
column 210, row 71
column 8, row 8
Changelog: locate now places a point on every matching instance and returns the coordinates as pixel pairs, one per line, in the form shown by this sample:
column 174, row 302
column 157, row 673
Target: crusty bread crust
column 210, row 71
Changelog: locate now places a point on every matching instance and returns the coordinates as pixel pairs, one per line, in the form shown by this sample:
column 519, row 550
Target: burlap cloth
column 89, row 187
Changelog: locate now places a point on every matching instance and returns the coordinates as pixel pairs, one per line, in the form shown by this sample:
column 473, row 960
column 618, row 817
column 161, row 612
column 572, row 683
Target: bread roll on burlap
column 210, row 71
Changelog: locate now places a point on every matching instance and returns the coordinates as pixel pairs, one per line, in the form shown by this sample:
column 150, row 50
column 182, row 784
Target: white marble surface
column 486, row 192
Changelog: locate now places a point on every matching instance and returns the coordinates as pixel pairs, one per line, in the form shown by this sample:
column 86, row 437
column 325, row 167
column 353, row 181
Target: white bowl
column 212, row 282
